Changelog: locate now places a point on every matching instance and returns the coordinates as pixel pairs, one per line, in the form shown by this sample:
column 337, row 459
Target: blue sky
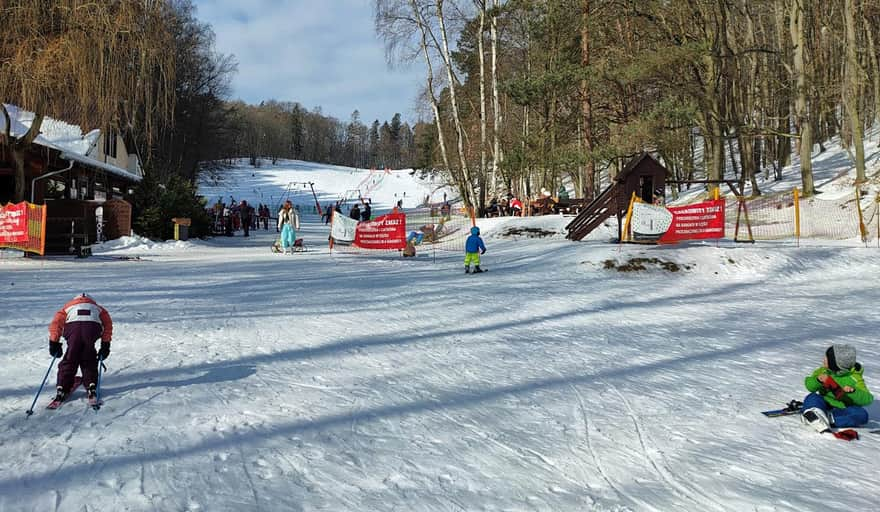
column 317, row 52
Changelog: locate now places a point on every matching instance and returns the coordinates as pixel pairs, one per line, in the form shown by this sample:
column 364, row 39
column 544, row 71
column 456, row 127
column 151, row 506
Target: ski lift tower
column 305, row 184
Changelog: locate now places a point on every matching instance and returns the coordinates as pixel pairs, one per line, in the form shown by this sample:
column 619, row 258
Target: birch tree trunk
column 586, row 103
column 875, row 67
column 852, row 89
column 782, row 143
column 481, row 5
column 468, row 193
column 747, row 106
column 497, row 156
column 435, row 108
column 802, row 117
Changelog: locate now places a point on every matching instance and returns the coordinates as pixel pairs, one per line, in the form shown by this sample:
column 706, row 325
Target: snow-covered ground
column 245, row 380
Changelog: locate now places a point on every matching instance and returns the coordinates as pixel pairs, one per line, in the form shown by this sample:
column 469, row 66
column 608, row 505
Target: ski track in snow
column 245, row 380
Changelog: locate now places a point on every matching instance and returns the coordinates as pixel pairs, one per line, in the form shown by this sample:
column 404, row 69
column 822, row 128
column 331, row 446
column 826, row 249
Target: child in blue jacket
column 473, row 247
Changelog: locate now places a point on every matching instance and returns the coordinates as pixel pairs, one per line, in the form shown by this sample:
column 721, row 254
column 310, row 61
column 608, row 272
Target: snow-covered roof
column 64, row 137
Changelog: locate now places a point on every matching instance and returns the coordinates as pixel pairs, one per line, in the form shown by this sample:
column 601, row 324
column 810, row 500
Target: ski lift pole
column 317, row 204
column 31, row 410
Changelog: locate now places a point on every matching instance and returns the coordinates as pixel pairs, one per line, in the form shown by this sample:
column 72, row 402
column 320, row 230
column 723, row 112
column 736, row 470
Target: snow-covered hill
column 288, row 179
column 571, row 376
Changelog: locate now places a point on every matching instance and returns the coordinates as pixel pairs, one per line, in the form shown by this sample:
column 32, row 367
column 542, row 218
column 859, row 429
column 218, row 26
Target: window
column 55, row 189
column 110, row 144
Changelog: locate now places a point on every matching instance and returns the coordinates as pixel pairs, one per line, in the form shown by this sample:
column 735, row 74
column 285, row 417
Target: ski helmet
column 475, row 230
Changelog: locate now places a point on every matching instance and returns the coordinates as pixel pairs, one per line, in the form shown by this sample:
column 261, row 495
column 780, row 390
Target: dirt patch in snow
column 639, row 264
column 527, row 232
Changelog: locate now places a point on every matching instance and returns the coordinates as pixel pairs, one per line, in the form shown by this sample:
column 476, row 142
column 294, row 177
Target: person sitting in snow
column 473, row 247
column 81, row 322
column 838, row 392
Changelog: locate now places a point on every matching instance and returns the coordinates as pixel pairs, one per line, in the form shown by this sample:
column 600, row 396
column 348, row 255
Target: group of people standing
column 239, row 216
column 355, row 211
column 361, row 215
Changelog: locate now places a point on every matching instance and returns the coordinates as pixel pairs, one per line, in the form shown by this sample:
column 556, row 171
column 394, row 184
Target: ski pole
column 98, row 387
column 31, row 410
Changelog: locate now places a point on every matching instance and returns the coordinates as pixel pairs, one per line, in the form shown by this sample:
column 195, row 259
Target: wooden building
column 86, row 182
column 643, row 175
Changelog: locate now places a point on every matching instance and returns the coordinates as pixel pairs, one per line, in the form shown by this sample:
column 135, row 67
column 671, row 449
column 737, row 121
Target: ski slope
column 288, row 179
column 246, row 380
column 240, row 379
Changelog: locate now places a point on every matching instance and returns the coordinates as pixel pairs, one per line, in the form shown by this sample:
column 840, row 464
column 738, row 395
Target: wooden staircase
column 606, row 204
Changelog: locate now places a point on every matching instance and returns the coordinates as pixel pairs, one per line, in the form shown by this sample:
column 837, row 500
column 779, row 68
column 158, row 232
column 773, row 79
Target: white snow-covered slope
column 570, row 377
column 288, row 179
column 245, row 380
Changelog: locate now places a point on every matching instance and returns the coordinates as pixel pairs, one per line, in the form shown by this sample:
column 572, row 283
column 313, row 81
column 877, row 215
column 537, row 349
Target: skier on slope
column 81, row 321
column 838, row 392
column 473, row 247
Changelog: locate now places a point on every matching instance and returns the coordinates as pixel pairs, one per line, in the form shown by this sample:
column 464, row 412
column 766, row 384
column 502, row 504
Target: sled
column 298, row 246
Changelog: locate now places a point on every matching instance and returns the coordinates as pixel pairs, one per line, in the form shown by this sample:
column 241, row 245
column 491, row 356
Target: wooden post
column 863, row 231
column 797, row 217
column 629, row 211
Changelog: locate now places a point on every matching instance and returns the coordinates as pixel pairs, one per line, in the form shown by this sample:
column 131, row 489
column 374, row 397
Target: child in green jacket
column 838, row 392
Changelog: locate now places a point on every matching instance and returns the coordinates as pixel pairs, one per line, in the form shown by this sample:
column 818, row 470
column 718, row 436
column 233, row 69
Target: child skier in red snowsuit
column 81, row 321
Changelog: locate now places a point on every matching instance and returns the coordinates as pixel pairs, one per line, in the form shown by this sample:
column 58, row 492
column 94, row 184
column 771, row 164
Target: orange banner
column 385, row 232
column 23, row 227
column 696, row 221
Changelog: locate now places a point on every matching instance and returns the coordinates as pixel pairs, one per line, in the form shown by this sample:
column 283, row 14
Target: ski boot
column 60, row 394
column 817, row 419
column 467, row 269
column 477, row 269
column 92, row 392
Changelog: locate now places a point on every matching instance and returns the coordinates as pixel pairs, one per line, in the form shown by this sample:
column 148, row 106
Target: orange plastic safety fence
column 774, row 217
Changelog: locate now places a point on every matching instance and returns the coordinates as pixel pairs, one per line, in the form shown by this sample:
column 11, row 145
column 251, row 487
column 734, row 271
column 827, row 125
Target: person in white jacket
column 288, row 223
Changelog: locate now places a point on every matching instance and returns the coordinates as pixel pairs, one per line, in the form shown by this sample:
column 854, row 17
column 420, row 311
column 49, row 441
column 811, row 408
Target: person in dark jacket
column 367, row 212
column 473, row 248
column 245, row 211
column 355, row 212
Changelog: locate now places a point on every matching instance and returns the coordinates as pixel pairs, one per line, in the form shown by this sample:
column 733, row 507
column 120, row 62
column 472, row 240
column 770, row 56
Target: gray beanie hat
column 841, row 357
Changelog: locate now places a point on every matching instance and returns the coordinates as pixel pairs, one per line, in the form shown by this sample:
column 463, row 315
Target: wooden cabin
column 85, row 181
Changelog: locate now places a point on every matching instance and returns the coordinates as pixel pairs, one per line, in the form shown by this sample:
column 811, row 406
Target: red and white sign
column 696, row 222
column 13, row 223
column 385, row 232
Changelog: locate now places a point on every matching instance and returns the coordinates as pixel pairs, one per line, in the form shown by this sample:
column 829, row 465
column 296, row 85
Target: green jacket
column 852, row 378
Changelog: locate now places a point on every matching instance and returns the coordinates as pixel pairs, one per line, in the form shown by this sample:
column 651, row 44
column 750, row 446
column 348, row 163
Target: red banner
column 696, row 222
column 385, row 232
column 13, row 223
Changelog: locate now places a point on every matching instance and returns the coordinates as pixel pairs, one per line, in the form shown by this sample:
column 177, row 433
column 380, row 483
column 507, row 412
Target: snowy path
column 246, row 380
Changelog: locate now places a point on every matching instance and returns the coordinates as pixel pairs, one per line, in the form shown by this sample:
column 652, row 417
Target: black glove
column 55, row 349
column 104, row 353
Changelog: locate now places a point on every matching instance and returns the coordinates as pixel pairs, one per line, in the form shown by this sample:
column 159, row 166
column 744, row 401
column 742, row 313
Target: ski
column 54, row 404
column 793, row 407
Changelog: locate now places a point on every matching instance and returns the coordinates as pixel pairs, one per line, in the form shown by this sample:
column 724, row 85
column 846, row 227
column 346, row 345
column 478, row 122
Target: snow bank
column 133, row 245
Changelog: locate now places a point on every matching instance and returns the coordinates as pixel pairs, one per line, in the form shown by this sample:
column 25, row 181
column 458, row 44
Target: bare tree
column 467, row 194
column 852, row 89
column 497, row 155
column 97, row 64
column 804, row 123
